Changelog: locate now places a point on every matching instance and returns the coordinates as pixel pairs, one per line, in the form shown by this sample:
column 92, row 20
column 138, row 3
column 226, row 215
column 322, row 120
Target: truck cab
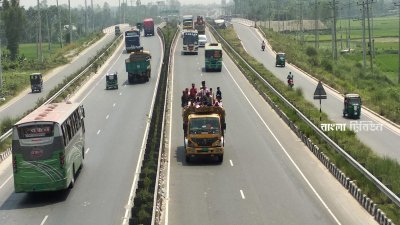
column 132, row 40
column 148, row 26
column 204, row 128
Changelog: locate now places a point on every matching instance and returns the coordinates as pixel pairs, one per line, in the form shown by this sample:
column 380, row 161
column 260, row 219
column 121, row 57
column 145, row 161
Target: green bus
column 48, row 148
column 213, row 57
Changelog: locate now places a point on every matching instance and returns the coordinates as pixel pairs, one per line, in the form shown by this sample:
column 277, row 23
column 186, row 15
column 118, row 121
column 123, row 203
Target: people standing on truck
column 218, row 102
column 203, row 89
column 218, row 94
column 193, row 92
column 184, row 98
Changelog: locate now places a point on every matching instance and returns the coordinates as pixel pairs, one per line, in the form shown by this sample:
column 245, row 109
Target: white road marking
column 231, row 162
column 44, row 220
column 87, row 150
column 284, row 150
column 142, row 148
column 241, row 193
column 91, row 90
column 243, row 46
column 8, row 179
column 169, row 138
column 98, row 132
column 114, row 105
column 107, row 117
column 120, row 93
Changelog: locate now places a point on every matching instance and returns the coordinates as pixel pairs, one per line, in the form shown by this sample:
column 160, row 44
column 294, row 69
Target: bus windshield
column 190, row 38
column 216, row 54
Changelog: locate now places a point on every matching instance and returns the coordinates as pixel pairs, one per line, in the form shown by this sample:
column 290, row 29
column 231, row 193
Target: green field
column 385, row 42
column 382, row 27
column 29, row 50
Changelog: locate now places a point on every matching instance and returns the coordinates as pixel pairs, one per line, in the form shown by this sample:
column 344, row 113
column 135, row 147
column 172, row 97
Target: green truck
column 138, row 66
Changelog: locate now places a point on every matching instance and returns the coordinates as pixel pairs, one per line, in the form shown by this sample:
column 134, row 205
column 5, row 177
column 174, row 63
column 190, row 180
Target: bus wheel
column 72, row 184
column 83, row 152
column 187, row 158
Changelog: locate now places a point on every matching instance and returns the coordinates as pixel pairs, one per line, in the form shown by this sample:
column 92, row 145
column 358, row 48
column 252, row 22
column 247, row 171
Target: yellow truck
column 204, row 128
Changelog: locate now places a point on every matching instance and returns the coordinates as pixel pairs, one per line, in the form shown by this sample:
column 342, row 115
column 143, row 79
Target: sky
column 75, row 3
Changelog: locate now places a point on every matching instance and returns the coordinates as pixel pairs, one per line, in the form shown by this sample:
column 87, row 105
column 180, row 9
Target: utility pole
column 369, row 35
column 363, row 32
column 348, row 28
column 70, row 23
column 48, row 30
column 301, row 23
column 86, row 18
column 365, row 7
column 59, row 25
column 334, row 43
column 316, row 23
column 92, row 16
column 40, row 55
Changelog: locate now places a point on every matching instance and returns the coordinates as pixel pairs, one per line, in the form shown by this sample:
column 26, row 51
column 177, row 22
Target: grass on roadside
column 347, row 75
column 16, row 74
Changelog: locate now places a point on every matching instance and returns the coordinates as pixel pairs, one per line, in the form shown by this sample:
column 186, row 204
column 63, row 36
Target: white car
column 202, row 40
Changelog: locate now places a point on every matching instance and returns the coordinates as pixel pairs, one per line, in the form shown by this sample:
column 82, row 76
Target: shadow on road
column 199, row 160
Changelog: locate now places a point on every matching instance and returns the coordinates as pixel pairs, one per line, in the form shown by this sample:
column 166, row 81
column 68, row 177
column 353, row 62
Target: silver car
column 202, row 40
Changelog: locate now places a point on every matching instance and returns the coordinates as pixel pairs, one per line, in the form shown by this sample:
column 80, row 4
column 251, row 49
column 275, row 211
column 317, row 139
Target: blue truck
column 132, row 41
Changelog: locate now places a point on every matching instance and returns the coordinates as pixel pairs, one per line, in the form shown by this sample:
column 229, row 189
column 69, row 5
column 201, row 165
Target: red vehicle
column 148, row 26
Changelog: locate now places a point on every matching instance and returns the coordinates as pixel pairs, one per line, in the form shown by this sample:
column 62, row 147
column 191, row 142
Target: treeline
column 20, row 25
column 295, row 9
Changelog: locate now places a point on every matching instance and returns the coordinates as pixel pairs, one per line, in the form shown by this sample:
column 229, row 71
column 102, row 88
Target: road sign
column 319, row 92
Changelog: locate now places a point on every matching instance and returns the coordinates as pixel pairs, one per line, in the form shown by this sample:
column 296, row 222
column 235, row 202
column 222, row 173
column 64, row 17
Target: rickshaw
column 112, row 81
column 280, row 59
column 36, row 82
column 352, row 106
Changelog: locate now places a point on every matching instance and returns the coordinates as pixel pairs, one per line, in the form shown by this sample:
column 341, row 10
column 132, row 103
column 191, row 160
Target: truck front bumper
column 204, row 151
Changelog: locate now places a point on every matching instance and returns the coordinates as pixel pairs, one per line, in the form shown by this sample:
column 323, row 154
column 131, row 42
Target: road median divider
column 148, row 199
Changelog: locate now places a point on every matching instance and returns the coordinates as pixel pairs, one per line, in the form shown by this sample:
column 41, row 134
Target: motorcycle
column 290, row 83
column 262, row 47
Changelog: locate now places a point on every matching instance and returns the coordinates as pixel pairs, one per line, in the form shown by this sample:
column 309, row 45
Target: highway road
column 27, row 100
column 115, row 126
column 268, row 175
column 384, row 143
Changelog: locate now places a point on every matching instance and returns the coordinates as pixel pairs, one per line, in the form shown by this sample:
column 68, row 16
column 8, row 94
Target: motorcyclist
column 263, row 45
column 290, row 79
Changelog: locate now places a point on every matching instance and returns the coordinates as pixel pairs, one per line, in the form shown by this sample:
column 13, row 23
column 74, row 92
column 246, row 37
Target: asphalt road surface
column 115, row 126
column 268, row 175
